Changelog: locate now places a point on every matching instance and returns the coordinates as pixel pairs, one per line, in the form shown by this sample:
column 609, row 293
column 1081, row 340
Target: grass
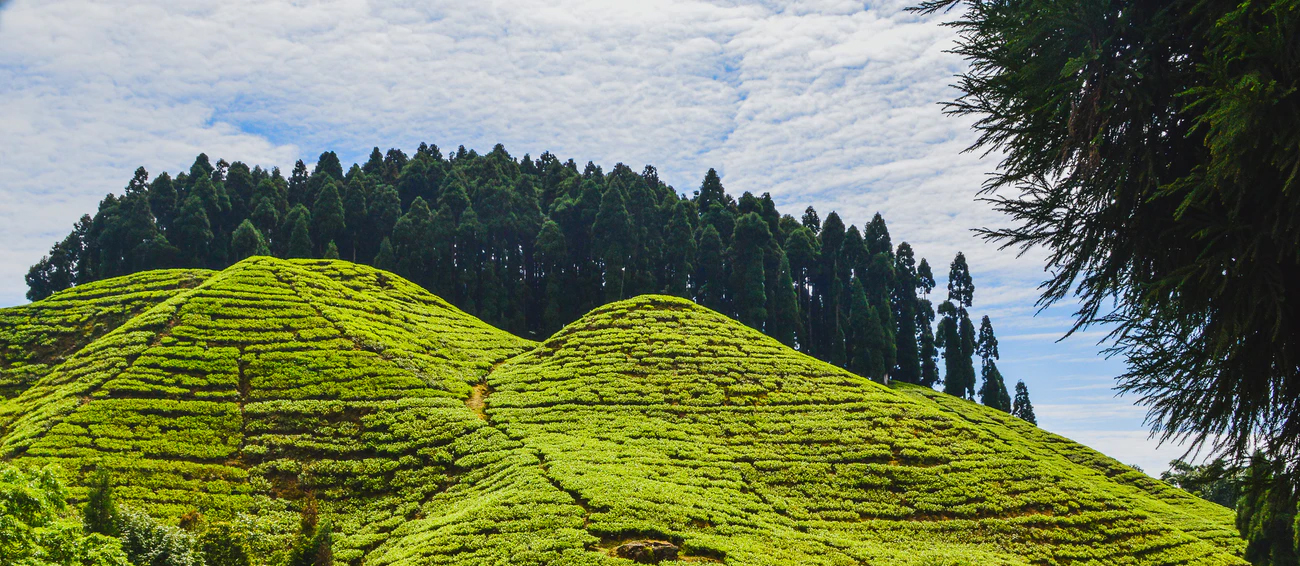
column 431, row 437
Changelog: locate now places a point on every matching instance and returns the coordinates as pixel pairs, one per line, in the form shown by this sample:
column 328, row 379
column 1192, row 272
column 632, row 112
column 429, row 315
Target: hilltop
column 429, row 436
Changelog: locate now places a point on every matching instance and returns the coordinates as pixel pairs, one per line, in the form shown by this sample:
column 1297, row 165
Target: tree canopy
column 530, row 244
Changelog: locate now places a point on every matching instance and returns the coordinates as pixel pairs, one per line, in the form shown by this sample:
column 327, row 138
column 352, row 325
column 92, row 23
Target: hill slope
column 431, row 437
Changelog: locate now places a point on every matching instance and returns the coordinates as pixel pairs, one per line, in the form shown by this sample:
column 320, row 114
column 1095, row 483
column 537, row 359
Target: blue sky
column 824, row 103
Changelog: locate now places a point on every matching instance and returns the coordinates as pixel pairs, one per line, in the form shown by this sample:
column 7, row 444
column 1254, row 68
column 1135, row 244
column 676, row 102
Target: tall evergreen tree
column 710, row 277
column 163, row 200
column 958, row 374
column 192, row 232
column 412, row 244
column 247, row 241
column 680, row 250
column 385, row 258
column 100, row 514
column 1267, row 513
column 785, row 320
column 300, row 245
column 926, row 343
column 328, row 219
column 747, row 291
column 612, row 232
column 552, row 256
column 356, row 219
column 903, row 300
column 993, row 391
column 1021, row 407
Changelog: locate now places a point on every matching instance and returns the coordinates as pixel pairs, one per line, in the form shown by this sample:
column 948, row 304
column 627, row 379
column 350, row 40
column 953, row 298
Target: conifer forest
column 529, row 245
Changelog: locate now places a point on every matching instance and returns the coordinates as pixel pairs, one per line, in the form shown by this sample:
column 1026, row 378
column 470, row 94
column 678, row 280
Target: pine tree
column 265, row 218
column 192, row 232
column 710, row 273
column 385, row 259
column 412, row 242
column 929, row 351
column 903, row 300
column 100, row 514
column 711, row 191
column 993, row 391
column 385, row 208
column 959, row 347
column 961, row 289
column 1021, row 407
column 247, row 241
column 612, row 232
column 328, row 219
column 1267, row 513
column 356, row 219
column 858, row 349
column 785, row 306
column 748, row 294
column 331, row 251
column 552, row 255
column 955, row 364
column 329, row 164
column 163, row 200
column 679, row 250
column 876, row 237
column 300, row 245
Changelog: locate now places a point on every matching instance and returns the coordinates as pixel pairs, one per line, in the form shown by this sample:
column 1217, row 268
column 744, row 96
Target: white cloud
column 818, row 102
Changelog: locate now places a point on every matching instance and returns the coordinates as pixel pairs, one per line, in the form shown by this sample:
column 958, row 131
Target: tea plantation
column 430, row 437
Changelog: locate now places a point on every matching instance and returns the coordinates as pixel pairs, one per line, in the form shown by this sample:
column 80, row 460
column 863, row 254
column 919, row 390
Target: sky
column 828, row 103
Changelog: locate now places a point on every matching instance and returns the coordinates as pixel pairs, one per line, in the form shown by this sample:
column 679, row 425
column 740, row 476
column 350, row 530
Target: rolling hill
column 430, row 437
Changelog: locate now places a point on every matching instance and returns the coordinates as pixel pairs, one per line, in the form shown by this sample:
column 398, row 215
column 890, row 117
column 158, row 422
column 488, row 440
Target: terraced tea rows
column 36, row 337
column 672, row 420
column 239, row 393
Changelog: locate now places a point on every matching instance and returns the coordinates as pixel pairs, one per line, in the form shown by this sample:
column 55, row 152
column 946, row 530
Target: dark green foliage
column 1021, row 407
column 192, row 231
column 612, row 232
column 784, row 312
column 948, row 337
column 993, row 390
column 710, row 274
column 300, row 245
column 1266, row 513
column 34, row 532
column 327, row 217
column 527, row 244
column 385, row 259
column 148, row 542
column 247, row 241
column 100, row 513
column 1151, row 148
column 746, row 257
column 904, row 302
column 222, row 545
column 1216, row 481
column 961, row 289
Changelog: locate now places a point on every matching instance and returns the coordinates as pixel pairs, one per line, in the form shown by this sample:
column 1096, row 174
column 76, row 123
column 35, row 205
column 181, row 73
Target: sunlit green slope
column 666, row 419
column 430, row 437
column 35, row 337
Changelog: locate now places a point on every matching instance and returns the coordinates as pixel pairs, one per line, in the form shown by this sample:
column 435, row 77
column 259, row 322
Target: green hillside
column 430, row 437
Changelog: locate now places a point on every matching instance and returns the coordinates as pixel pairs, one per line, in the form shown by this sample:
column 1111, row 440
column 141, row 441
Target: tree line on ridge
column 529, row 245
